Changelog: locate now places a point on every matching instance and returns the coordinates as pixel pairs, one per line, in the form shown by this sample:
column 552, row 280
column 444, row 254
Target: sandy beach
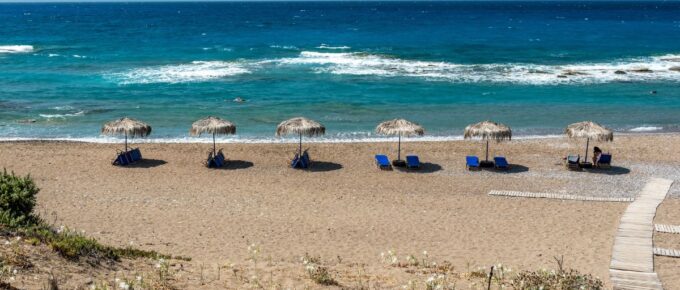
column 346, row 210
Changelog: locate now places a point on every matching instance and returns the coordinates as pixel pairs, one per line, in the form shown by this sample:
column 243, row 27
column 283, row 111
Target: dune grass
column 17, row 200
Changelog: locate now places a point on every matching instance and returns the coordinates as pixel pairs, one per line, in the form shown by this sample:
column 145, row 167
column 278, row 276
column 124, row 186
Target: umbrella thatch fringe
column 212, row 125
column 399, row 127
column 300, row 125
column 589, row 130
column 488, row 130
column 131, row 127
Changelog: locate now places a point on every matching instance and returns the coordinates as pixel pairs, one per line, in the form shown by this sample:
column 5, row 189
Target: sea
column 67, row 68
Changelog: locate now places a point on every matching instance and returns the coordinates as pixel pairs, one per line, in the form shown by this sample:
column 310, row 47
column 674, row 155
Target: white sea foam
column 191, row 72
column 628, row 70
column 290, row 47
column 324, row 46
column 52, row 55
column 62, row 108
column 16, row 48
column 235, row 139
column 646, row 129
column 62, row 116
column 641, row 69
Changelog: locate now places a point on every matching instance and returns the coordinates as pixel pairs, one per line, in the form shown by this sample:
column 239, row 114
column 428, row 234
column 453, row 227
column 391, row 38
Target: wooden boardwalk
column 558, row 196
column 667, row 252
column 632, row 264
column 671, row 229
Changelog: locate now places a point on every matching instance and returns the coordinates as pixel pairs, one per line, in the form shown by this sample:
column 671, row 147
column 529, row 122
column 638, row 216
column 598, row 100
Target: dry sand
column 345, row 209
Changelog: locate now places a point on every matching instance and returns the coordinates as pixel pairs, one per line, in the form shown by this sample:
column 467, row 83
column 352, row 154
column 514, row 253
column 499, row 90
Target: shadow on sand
column 425, row 167
column 236, row 165
column 146, row 163
column 614, row 170
column 324, row 166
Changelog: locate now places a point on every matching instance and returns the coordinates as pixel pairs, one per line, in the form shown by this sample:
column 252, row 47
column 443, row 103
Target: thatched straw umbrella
column 300, row 126
column 212, row 125
column 589, row 130
column 488, row 130
column 399, row 127
column 127, row 126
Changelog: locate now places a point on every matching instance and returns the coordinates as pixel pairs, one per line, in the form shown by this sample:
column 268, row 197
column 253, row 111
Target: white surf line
column 558, row 196
column 671, row 229
column 667, row 252
column 632, row 264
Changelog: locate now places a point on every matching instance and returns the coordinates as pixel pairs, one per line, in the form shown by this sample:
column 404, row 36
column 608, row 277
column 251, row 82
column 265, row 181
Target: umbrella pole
column 125, row 141
column 300, row 148
column 214, row 151
column 399, row 148
column 487, row 150
column 587, row 145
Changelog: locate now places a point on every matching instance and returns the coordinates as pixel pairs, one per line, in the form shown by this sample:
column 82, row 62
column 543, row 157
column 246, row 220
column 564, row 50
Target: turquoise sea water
column 536, row 66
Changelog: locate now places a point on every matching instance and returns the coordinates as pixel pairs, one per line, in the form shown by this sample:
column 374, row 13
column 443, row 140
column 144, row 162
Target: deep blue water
column 535, row 66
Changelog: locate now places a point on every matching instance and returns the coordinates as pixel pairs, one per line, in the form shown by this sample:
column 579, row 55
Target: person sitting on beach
column 597, row 152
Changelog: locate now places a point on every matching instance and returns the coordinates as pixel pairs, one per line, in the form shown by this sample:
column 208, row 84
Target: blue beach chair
column 605, row 161
column 300, row 162
column 472, row 162
column 412, row 162
column 136, row 155
column 573, row 162
column 501, row 163
column 382, row 162
column 121, row 159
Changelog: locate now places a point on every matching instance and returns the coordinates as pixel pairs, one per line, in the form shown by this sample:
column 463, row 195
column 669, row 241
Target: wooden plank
column 558, row 196
column 632, row 262
column 671, row 229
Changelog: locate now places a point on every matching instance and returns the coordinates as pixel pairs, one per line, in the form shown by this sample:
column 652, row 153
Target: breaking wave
column 641, row 69
column 662, row 68
column 62, row 116
column 191, row 72
column 16, row 48
column 646, row 129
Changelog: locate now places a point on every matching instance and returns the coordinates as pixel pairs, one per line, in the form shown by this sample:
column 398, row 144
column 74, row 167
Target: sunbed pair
column 573, row 162
column 300, row 162
column 412, row 162
column 216, row 161
column 128, row 157
column 472, row 162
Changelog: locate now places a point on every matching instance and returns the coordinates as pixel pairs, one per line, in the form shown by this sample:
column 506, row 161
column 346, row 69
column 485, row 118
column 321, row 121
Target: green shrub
column 17, row 199
column 558, row 280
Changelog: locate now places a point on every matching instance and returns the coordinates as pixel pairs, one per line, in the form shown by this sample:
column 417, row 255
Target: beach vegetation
column 17, row 201
column 317, row 272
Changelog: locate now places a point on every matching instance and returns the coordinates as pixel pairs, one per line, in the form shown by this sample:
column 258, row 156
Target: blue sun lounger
column 136, row 155
column 382, row 162
column 471, row 162
column 501, row 163
column 122, row 159
column 412, row 162
column 605, row 161
column 573, row 162
column 128, row 157
column 300, row 162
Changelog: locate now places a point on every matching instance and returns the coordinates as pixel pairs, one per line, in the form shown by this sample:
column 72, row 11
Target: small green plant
column 318, row 273
column 17, row 199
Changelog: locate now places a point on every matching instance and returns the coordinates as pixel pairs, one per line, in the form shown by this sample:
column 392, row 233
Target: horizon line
column 246, row 1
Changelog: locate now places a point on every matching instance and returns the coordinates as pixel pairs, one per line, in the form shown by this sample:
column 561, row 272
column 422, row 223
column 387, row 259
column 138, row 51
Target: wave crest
column 192, row 72
column 663, row 68
column 16, row 48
